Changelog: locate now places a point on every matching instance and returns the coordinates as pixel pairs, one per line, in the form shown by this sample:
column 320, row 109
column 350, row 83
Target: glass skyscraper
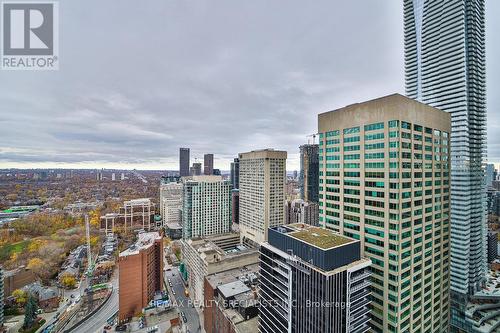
column 445, row 68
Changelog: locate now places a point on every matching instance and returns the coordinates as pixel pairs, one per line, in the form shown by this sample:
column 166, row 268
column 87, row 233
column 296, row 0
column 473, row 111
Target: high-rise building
column 309, row 172
column 490, row 174
column 206, row 206
column 140, row 274
column 445, row 68
column 208, row 164
column 184, row 162
column 385, row 180
column 235, row 173
column 300, row 211
column 235, row 206
column 171, row 203
column 195, row 169
column 262, row 192
column 313, row 280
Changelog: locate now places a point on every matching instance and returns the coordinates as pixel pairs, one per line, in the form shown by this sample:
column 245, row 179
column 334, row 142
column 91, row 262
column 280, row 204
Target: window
column 372, row 127
column 351, row 130
column 351, row 139
column 374, row 136
column 393, row 123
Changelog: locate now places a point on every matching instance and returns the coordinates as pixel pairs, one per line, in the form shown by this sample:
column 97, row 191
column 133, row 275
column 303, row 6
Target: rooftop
column 319, row 237
column 232, row 289
column 145, row 240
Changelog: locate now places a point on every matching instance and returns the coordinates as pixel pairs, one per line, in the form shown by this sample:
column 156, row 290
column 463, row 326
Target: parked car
column 120, row 328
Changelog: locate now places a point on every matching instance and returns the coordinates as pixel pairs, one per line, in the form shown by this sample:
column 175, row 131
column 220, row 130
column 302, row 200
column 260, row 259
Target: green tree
column 30, row 312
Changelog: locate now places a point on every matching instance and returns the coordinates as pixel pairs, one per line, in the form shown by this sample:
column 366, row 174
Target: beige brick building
column 262, row 192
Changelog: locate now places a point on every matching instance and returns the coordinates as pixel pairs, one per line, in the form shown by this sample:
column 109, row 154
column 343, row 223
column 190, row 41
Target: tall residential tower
column 206, row 206
column 262, row 192
column 445, row 68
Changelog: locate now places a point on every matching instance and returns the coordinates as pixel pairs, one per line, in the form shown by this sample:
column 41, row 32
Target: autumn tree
column 20, row 296
column 68, row 280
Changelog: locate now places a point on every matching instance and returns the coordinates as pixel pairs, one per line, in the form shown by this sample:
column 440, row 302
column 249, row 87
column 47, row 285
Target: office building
column 184, row 162
column 313, row 280
column 309, row 172
column 206, row 206
column 214, row 254
column 300, row 211
column 195, row 169
column 171, row 203
column 235, row 173
column 217, row 172
column 490, row 174
column 231, row 304
column 235, row 206
column 445, row 68
column 262, row 192
column 208, row 164
column 140, row 274
column 384, row 179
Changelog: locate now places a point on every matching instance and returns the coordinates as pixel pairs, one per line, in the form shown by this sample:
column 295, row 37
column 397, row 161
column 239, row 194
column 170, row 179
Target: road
column 184, row 304
column 98, row 320
column 63, row 305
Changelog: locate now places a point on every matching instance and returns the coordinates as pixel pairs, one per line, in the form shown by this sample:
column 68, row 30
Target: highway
column 184, row 303
column 97, row 322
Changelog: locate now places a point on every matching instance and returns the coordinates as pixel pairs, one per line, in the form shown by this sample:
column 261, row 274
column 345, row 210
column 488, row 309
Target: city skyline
column 50, row 121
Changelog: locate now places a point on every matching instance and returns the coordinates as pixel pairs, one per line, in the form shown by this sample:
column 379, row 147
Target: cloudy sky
column 139, row 79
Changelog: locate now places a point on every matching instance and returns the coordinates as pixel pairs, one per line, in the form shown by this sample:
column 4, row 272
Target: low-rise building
column 205, row 256
column 16, row 279
column 140, row 274
column 47, row 297
column 231, row 304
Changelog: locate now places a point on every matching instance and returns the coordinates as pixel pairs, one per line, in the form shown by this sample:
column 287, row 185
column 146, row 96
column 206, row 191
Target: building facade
column 231, row 304
column 309, row 172
column 206, row 206
column 208, row 164
column 184, row 162
column 385, row 180
column 445, row 68
column 262, row 192
column 140, row 274
column 300, row 211
column 235, row 173
column 215, row 254
column 235, row 206
column 312, row 280
column 171, row 203
column 195, row 169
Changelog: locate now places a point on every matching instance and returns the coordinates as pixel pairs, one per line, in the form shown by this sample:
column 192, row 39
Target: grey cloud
column 138, row 80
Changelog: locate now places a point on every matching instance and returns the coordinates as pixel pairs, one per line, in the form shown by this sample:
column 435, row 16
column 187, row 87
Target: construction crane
column 90, row 266
column 313, row 136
